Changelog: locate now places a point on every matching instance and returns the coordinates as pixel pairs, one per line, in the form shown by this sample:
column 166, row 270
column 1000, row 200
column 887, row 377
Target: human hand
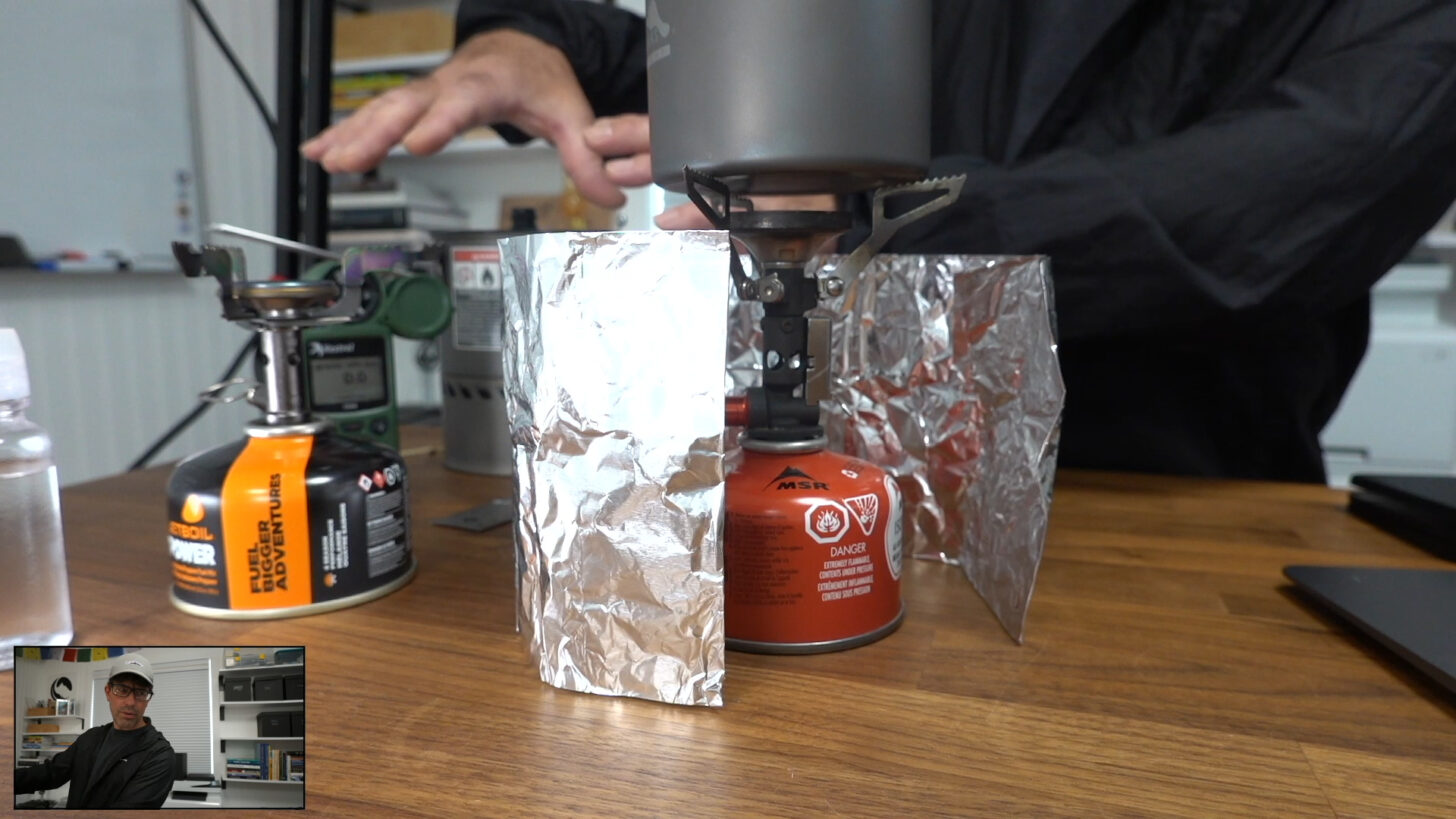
column 496, row 76
column 627, row 140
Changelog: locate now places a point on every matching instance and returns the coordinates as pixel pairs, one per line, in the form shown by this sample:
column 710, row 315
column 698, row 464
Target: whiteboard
column 97, row 152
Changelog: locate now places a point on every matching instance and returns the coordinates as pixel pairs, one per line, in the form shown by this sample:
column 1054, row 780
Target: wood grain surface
column 1168, row 670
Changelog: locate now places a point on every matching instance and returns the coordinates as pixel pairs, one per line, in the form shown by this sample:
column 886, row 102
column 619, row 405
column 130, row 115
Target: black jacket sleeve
column 606, row 46
column 1299, row 196
column 52, row 773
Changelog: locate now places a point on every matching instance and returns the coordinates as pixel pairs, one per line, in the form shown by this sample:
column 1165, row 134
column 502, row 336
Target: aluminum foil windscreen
column 945, row 374
column 614, row 390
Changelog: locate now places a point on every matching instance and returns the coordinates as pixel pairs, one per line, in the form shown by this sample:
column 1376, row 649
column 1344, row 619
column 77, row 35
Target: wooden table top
column 1168, row 670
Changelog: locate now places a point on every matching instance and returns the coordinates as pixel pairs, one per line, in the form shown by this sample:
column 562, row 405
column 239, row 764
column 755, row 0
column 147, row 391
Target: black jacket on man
column 137, row 774
column 1218, row 184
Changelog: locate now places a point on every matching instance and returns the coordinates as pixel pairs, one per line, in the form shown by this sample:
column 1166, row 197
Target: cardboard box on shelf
column 552, row 213
column 387, row 33
column 37, row 711
column 45, row 728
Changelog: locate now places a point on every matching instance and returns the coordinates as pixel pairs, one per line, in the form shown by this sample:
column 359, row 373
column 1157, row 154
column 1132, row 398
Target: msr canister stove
column 293, row 519
column 763, row 98
column 813, row 541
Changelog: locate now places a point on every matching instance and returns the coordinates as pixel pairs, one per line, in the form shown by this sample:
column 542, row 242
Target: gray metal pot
column 789, row 96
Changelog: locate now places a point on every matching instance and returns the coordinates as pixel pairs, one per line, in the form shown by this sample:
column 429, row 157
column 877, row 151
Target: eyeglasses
column 124, row 691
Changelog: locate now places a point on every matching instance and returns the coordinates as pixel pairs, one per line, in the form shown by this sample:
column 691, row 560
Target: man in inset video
column 125, row 764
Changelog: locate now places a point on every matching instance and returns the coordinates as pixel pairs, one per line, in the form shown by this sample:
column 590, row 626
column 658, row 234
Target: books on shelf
column 243, row 769
column 271, row 764
column 395, row 218
column 375, row 192
column 357, row 214
column 411, row 238
column 353, row 91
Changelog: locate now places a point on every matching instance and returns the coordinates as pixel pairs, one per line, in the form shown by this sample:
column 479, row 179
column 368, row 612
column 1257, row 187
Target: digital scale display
column 347, row 382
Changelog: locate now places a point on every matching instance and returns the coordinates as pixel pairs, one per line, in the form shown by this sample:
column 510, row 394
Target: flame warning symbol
column 866, row 510
column 192, row 509
column 826, row 521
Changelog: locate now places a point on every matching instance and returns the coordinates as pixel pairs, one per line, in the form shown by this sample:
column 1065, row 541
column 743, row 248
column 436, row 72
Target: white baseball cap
column 133, row 664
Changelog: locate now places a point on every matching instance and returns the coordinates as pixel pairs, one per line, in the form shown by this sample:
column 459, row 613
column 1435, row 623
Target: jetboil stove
column 294, row 519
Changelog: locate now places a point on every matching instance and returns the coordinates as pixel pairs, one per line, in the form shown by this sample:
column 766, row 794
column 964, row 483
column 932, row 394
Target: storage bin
column 275, row 724
column 268, row 688
column 238, row 689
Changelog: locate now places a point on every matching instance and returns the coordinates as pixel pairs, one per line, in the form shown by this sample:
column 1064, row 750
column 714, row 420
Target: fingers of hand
column 683, row 217
column 623, row 135
column 585, row 168
column 452, row 112
column 361, row 141
column 630, row 171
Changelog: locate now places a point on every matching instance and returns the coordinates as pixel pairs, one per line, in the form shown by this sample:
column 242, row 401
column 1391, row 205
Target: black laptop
column 1418, row 508
column 1412, row 612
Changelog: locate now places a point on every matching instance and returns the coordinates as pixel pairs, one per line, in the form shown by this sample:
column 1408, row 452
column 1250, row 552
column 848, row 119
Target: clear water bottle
column 35, row 601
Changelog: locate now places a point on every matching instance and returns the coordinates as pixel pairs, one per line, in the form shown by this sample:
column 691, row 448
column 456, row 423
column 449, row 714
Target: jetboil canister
column 814, row 550
column 293, row 519
column 288, row 521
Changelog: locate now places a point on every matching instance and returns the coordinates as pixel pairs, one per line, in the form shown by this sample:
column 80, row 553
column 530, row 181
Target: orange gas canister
column 812, row 551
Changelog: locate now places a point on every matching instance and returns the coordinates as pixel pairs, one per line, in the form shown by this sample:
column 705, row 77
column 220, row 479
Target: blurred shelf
column 256, row 671
column 475, row 145
column 426, row 60
column 108, row 271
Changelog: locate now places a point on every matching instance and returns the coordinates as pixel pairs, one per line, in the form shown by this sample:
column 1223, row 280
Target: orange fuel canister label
column 265, row 509
column 812, row 551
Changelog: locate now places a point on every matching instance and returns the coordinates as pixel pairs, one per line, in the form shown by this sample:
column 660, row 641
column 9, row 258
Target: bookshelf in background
column 261, row 724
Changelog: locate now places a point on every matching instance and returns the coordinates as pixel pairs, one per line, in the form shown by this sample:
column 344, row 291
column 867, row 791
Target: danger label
column 479, row 322
column 849, row 576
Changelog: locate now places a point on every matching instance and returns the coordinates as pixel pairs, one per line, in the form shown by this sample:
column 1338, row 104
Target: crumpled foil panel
column 945, row 374
column 614, row 389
